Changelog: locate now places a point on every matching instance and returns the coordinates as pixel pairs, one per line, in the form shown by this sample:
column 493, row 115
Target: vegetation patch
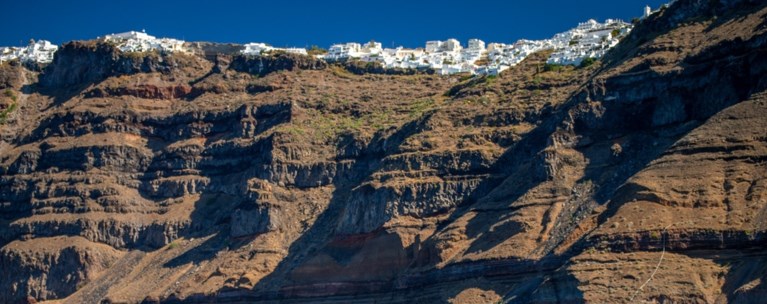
column 418, row 107
column 553, row 67
column 173, row 245
column 8, row 93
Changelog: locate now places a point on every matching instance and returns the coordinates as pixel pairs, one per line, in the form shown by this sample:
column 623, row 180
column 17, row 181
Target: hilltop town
column 37, row 51
column 589, row 40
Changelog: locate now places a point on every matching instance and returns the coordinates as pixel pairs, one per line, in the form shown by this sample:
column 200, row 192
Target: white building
column 256, row 48
column 342, row 51
column 371, row 47
column 450, row 45
column 476, row 44
column 294, row 50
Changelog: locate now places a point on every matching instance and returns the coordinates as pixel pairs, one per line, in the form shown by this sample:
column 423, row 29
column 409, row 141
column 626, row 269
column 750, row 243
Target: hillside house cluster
column 260, row 48
column 36, row 52
column 446, row 57
column 142, row 42
column 589, row 39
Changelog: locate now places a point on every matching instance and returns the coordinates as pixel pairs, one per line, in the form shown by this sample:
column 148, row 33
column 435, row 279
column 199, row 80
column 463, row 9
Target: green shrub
column 587, row 62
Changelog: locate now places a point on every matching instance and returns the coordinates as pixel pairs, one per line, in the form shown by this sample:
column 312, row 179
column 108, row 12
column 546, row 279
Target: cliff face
column 157, row 177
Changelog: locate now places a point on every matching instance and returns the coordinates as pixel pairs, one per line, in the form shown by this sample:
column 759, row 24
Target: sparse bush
column 316, row 50
column 489, row 79
column 553, row 67
column 173, row 245
column 466, row 77
column 10, row 94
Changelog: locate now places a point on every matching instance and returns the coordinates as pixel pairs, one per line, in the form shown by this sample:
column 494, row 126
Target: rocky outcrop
column 83, row 63
column 53, row 267
column 362, row 68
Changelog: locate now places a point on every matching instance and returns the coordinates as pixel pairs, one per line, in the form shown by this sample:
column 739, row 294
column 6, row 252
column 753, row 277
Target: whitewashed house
column 129, row 35
column 371, row 47
column 343, row 51
column 476, row 44
column 294, row 50
column 256, row 48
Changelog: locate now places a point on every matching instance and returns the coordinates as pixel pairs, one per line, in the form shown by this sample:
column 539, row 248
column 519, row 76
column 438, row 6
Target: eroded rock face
column 163, row 181
column 53, row 267
column 262, row 65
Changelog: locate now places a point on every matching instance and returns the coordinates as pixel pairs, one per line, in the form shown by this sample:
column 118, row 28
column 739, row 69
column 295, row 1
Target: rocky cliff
column 149, row 177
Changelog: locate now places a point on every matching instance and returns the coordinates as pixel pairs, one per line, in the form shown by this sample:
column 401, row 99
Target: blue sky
column 303, row 23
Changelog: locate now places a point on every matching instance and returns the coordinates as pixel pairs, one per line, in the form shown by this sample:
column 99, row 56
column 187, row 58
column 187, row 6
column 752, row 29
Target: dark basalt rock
column 81, row 63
